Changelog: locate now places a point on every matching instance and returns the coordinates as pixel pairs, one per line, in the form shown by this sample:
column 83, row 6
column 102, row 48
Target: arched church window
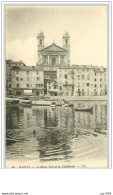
column 53, row 61
column 40, row 41
column 66, row 41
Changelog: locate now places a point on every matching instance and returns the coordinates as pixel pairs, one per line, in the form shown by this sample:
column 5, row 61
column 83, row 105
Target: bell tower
column 66, row 45
column 40, row 38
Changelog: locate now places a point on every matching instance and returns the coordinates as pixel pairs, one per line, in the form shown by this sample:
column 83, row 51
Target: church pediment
column 53, row 48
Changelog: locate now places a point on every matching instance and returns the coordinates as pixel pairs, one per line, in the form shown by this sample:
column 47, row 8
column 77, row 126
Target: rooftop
column 53, row 48
column 66, row 35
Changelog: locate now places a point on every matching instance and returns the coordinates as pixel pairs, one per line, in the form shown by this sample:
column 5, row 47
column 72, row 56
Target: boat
column 53, row 105
column 25, row 102
column 12, row 102
column 84, row 109
column 66, row 104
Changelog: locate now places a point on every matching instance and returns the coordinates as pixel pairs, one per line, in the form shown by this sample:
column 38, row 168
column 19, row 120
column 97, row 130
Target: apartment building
column 9, row 74
column 65, row 77
column 24, row 80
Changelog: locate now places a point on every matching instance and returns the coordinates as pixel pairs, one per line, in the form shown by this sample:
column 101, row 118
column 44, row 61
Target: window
column 49, row 83
column 17, row 72
column 36, row 85
column 83, row 92
column 53, row 61
column 105, row 92
column 66, row 41
column 87, row 84
column 9, row 85
column 100, row 79
column 38, row 78
column 95, row 73
column 27, row 85
column 95, row 79
column 60, row 88
column 49, row 87
column 37, row 72
column 100, row 85
column 17, row 78
column 40, row 41
column 55, row 87
column 21, row 79
column 95, row 85
column 18, row 92
column 17, row 85
column 27, row 72
column 78, row 77
column 41, row 92
column 65, row 76
column 82, row 76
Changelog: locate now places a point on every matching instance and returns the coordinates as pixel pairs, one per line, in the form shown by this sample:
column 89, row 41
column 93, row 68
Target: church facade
column 51, row 58
column 53, row 55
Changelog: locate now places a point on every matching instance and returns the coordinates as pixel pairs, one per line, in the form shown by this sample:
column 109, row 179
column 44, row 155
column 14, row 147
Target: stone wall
column 80, row 98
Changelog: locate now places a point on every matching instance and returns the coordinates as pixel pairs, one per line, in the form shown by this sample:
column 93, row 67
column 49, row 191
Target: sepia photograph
column 56, row 67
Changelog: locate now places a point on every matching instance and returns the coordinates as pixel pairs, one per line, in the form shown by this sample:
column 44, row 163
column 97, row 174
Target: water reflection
column 49, row 134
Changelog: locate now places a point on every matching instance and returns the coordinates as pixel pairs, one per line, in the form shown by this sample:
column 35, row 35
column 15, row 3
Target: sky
column 86, row 25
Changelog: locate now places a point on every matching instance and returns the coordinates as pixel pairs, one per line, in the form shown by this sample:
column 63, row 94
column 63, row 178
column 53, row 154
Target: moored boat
column 25, row 101
column 12, row 102
column 66, row 104
column 53, row 105
column 84, row 109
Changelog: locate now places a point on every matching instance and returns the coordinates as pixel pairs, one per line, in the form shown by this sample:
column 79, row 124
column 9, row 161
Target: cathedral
column 50, row 59
column 53, row 55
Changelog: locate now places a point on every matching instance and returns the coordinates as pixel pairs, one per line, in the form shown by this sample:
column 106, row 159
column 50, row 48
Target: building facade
column 24, row 79
column 53, row 74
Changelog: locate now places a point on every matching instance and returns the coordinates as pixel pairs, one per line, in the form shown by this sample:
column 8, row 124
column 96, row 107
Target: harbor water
column 39, row 136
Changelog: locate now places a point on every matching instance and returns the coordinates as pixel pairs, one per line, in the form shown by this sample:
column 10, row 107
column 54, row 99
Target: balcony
column 68, row 84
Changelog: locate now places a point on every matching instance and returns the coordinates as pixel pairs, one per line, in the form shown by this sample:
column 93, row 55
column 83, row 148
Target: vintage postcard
column 56, row 86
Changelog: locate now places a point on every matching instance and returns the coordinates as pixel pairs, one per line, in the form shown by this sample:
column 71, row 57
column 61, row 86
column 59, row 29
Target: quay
column 59, row 100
